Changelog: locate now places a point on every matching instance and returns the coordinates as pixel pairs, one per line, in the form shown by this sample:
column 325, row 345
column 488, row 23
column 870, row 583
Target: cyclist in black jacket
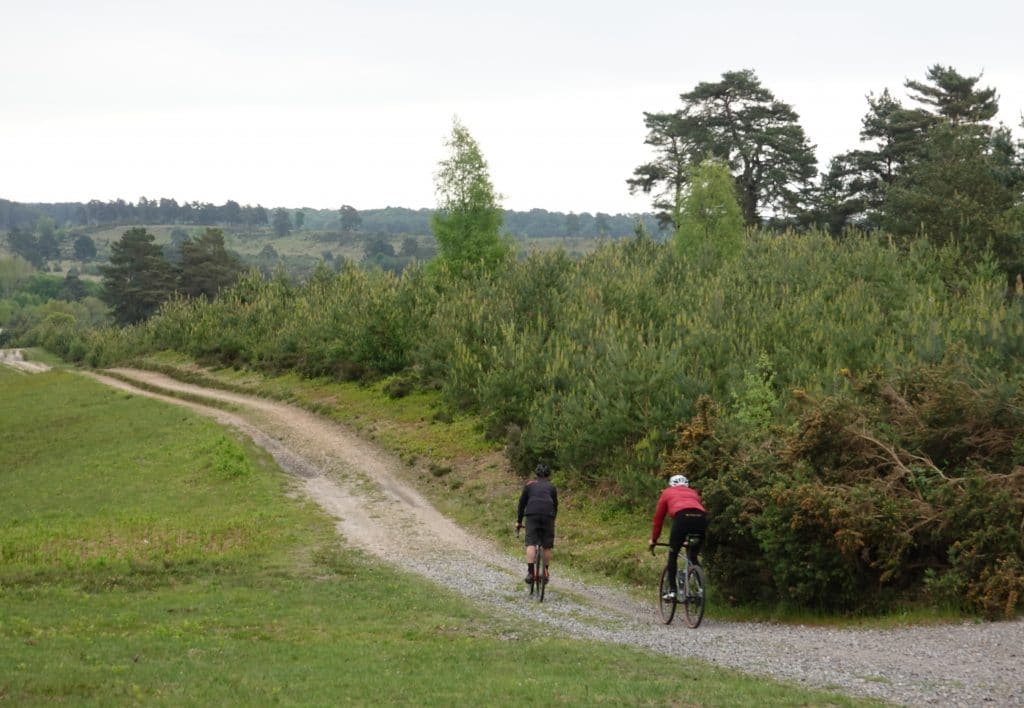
column 539, row 504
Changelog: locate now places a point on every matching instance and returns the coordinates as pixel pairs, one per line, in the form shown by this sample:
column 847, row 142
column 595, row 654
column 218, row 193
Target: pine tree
column 740, row 122
column 138, row 278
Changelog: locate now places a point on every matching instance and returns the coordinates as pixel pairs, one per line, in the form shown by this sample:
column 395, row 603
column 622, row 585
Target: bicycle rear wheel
column 542, row 576
column 667, row 608
column 693, row 606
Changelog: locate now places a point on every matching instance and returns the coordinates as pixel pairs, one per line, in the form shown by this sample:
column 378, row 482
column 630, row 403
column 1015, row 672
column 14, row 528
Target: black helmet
column 543, row 470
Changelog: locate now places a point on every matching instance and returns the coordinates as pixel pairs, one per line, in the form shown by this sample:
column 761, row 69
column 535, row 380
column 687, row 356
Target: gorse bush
column 902, row 487
column 593, row 364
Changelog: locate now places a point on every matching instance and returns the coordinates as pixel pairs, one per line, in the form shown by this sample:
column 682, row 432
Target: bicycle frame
column 689, row 586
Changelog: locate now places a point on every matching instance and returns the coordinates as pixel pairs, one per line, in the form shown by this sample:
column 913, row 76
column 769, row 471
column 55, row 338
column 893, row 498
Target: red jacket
column 671, row 502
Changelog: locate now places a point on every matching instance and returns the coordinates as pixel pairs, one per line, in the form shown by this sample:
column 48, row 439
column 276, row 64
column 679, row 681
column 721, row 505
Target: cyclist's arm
column 659, row 517
column 522, row 505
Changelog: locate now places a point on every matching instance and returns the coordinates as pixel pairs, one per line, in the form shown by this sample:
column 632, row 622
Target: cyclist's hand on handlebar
column 650, row 546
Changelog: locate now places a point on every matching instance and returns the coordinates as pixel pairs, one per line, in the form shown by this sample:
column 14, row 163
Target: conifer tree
column 743, row 124
column 138, row 278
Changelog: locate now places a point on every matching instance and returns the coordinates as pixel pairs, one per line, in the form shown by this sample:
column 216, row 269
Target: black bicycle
column 691, row 592
column 539, row 583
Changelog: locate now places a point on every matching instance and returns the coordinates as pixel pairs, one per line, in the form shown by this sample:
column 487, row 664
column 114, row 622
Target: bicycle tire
column 696, row 597
column 542, row 569
column 667, row 608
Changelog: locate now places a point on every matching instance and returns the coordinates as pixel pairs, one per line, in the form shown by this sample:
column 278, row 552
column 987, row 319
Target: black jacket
column 539, row 498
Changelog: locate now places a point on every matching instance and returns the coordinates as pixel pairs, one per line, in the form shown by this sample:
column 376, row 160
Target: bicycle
column 540, row 573
column 689, row 585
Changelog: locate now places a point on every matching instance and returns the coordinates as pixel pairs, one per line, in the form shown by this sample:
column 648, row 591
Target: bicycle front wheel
column 667, row 608
column 696, row 596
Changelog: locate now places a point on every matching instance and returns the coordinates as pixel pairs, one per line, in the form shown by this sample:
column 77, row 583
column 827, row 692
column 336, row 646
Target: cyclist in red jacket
column 683, row 505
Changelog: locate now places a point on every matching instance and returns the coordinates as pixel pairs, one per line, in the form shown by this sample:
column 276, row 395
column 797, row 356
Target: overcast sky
column 319, row 104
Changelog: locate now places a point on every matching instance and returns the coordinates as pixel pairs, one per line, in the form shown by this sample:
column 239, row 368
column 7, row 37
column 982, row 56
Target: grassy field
column 151, row 557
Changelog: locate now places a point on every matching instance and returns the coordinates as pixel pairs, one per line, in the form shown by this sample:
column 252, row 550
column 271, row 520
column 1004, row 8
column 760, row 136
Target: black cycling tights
column 683, row 524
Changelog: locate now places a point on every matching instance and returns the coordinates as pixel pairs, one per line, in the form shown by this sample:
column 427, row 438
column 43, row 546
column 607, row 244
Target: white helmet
column 678, row 480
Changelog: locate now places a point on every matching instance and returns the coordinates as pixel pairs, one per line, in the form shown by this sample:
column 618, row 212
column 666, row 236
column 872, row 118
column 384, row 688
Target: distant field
column 247, row 242
column 151, row 557
column 313, row 244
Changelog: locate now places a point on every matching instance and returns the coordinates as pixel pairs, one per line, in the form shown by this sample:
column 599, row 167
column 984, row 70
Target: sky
column 317, row 104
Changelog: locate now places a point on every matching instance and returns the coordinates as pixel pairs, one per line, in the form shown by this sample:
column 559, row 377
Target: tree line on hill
column 22, row 218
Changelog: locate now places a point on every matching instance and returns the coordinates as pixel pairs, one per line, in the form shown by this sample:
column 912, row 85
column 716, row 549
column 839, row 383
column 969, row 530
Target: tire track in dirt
column 358, row 484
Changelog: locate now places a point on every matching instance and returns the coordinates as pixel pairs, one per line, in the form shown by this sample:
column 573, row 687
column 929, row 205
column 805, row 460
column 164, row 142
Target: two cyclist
column 538, row 505
column 684, row 506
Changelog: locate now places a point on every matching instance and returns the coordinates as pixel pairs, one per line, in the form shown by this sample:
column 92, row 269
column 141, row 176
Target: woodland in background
column 837, row 368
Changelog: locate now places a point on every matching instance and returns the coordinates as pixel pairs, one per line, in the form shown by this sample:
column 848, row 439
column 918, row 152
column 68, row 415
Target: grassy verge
column 150, row 557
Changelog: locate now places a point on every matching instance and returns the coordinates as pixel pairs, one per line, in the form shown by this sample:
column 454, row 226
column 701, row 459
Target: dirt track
column 15, row 358
column 359, row 485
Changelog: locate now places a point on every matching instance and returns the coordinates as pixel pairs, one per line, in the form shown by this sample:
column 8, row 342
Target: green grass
column 151, row 557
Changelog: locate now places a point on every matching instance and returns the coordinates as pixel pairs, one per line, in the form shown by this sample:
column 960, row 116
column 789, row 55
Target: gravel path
column 966, row 664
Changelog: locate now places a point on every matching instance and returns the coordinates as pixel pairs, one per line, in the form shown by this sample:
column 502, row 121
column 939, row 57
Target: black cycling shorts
column 540, row 530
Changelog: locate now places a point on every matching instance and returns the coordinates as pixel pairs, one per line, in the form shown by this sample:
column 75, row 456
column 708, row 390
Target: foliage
column 26, row 245
column 13, row 271
column 351, row 324
column 282, row 222
column 84, row 248
column 206, row 266
column 954, row 193
column 938, row 169
column 32, row 302
column 908, row 487
column 710, row 221
column 467, row 222
column 954, row 96
column 138, row 278
column 740, row 122
column 350, row 219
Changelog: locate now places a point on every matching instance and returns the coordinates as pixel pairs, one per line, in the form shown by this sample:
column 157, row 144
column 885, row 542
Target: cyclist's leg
column 533, row 538
column 675, row 543
column 548, row 539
